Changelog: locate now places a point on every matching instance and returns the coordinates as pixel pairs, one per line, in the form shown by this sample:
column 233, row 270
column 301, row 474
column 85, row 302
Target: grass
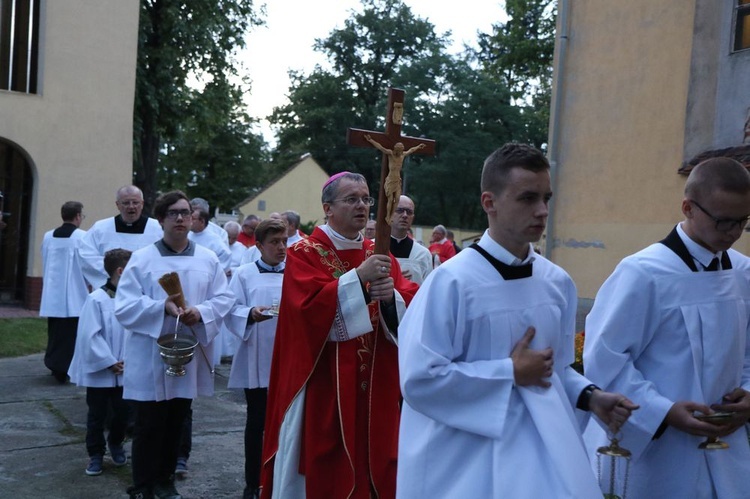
column 22, row 337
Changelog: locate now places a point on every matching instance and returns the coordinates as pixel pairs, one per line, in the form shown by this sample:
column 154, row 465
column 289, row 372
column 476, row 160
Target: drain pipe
column 554, row 126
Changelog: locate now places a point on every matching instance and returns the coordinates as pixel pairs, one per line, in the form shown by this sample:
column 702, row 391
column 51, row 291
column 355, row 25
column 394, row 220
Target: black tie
column 713, row 266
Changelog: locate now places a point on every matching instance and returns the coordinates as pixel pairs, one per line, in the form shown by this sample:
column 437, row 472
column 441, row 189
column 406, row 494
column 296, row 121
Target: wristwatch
column 584, row 399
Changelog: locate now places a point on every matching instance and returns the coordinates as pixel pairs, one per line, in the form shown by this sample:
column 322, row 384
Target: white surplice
column 419, row 263
column 218, row 231
column 251, row 255
column 466, row 429
column 63, row 287
column 139, row 306
column 99, row 343
column 251, row 365
column 102, row 237
column 212, row 241
column 237, row 250
column 660, row 333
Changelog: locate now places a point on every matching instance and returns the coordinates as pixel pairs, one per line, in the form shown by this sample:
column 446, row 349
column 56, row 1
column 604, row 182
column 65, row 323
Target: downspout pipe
column 553, row 142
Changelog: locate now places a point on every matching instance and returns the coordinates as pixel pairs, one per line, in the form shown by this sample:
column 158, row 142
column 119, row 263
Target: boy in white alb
column 144, row 309
column 98, row 365
column 257, row 287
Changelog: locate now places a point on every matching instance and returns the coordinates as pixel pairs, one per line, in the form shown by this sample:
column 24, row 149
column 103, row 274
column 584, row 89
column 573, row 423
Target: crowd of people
column 428, row 372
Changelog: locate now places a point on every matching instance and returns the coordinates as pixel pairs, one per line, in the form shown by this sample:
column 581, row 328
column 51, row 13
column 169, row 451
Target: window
column 742, row 25
column 19, row 45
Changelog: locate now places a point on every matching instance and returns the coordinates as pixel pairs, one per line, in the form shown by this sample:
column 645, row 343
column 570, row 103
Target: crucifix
column 394, row 147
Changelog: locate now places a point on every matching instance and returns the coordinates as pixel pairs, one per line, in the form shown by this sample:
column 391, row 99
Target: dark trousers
column 61, row 342
column 186, row 436
column 256, row 419
column 156, row 439
column 99, row 401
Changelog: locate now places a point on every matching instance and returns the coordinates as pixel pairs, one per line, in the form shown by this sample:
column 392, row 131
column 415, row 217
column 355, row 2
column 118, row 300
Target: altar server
column 64, row 289
column 147, row 312
column 485, row 350
column 98, row 365
column 669, row 328
column 257, row 287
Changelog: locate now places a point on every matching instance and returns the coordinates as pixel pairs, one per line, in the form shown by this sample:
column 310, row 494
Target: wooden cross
column 387, row 143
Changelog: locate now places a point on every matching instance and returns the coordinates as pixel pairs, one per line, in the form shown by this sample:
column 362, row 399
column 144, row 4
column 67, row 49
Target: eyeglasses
column 353, row 200
column 129, row 203
column 173, row 214
column 724, row 224
column 401, row 211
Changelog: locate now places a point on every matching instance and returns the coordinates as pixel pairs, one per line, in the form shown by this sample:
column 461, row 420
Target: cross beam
column 386, row 143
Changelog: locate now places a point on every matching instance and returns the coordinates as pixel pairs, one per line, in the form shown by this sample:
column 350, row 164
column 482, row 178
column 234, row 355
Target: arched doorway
column 16, row 185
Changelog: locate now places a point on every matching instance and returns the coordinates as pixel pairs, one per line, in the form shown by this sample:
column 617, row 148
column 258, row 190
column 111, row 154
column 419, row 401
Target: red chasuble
column 351, row 409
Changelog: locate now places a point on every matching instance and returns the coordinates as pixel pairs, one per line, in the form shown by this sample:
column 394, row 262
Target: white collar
column 698, row 252
column 340, row 242
column 498, row 251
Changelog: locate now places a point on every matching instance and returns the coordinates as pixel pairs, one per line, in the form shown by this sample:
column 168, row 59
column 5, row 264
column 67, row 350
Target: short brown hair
column 498, row 165
column 717, row 174
column 70, row 210
column 116, row 258
column 269, row 227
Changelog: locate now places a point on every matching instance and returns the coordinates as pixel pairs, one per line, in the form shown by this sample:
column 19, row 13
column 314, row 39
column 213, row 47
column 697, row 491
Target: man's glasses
column 401, row 211
column 353, row 200
column 173, row 214
column 129, row 203
column 723, row 224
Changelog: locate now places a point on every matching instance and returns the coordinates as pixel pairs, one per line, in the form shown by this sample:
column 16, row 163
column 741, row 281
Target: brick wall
column 33, row 294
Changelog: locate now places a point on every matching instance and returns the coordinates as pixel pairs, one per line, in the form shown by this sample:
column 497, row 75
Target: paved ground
column 42, row 430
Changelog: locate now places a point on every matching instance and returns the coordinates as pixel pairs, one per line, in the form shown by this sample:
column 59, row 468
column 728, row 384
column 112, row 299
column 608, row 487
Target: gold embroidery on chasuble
column 337, row 268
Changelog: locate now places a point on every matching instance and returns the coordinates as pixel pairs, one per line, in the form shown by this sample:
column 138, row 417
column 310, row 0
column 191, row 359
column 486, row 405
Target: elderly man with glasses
column 333, row 398
column 130, row 230
column 670, row 329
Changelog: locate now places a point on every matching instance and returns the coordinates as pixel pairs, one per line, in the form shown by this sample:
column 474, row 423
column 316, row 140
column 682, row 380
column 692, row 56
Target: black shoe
column 61, row 377
column 140, row 493
column 251, row 493
column 166, row 490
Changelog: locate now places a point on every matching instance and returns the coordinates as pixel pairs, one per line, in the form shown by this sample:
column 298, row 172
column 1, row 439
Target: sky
column 293, row 25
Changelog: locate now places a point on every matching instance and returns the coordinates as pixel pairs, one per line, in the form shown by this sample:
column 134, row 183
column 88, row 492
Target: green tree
column 469, row 120
column 519, row 54
column 447, row 98
column 179, row 40
column 367, row 55
column 214, row 154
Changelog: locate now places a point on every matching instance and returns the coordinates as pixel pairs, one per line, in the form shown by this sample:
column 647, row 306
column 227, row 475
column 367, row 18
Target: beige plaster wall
column 623, row 92
column 298, row 190
column 78, row 130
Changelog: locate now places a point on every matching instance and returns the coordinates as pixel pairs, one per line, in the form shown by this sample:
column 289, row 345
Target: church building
column 643, row 91
column 67, row 82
